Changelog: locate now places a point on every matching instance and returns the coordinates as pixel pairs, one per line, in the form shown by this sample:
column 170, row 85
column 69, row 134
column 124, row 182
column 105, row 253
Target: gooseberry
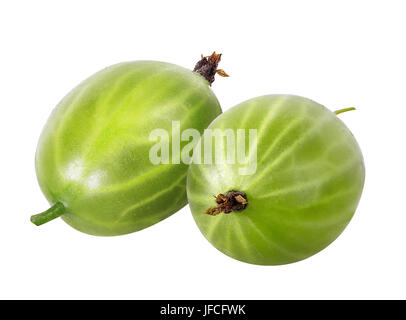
column 92, row 160
column 307, row 182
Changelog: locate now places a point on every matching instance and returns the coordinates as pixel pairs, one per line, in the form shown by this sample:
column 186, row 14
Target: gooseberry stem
column 344, row 110
column 52, row 213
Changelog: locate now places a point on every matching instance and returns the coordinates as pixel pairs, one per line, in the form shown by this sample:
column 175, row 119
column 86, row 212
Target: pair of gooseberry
column 92, row 163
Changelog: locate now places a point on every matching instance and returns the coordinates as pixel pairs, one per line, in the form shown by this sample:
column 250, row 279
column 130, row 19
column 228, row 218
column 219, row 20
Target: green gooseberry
column 92, row 160
column 306, row 187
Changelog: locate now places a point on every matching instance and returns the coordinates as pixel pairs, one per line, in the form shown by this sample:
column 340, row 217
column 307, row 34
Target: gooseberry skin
column 306, row 188
column 93, row 153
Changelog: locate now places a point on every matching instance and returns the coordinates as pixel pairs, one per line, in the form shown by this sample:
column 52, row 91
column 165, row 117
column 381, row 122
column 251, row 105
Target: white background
column 339, row 53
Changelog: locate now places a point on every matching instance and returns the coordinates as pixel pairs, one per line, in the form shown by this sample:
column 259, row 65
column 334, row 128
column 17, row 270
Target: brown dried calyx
column 231, row 201
column 207, row 67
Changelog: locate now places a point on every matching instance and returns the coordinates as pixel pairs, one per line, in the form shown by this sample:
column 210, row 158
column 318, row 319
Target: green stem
column 344, row 110
column 52, row 213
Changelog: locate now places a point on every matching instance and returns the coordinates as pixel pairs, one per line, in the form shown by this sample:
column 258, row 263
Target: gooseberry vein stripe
column 213, row 227
column 268, row 240
column 248, row 247
column 288, row 129
column 155, row 172
column 192, row 112
column 281, row 156
column 327, row 200
column 112, row 96
column 117, row 97
column 130, row 96
column 317, row 182
column 322, row 220
column 181, row 99
column 280, row 136
column 153, row 197
column 84, row 89
column 66, row 117
column 265, row 124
